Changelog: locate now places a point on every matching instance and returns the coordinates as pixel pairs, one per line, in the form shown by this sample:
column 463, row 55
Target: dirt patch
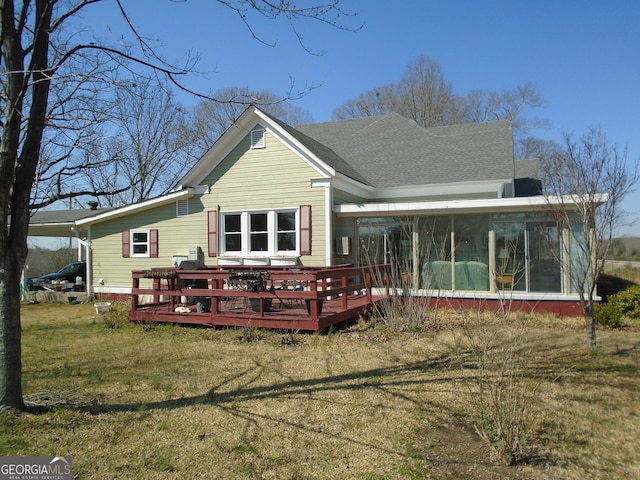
column 455, row 451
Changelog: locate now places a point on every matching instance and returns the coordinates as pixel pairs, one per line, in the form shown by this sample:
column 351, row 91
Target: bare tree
column 533, row 147
column 210, row 119
column 145, row 145
column 54, row 88
column 509, row 104
column 424, row 95
column 585, row 181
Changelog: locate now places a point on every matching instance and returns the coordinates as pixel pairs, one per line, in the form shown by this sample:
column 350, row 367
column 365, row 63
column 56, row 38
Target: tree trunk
column 590, row 321
column 10, row 334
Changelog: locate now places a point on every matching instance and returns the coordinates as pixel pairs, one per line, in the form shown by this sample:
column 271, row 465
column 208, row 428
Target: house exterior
column 447, row 207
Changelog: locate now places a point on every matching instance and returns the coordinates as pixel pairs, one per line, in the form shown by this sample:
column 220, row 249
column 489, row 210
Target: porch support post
column 328, row 209
column 566, row 259
column 452, row 240
column 492, row 261
column 416, row 256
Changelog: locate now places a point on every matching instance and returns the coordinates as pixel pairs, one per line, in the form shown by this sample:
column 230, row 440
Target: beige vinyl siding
column 175, row 235
column 268, row 178
column 345, row 227
column 246, row 179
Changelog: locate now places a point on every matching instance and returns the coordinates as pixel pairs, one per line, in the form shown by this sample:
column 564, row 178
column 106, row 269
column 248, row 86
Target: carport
column 62, row 224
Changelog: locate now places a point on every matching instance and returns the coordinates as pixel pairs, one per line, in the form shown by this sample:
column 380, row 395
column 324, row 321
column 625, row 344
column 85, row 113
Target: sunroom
column 468, row 248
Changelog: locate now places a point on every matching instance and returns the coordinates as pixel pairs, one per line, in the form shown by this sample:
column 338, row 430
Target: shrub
column 117, row 316
column 619, row 307
column 609, row 315
column 503, row 396
column 629, row 302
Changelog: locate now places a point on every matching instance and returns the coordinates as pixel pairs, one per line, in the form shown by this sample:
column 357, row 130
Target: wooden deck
column 288, row 298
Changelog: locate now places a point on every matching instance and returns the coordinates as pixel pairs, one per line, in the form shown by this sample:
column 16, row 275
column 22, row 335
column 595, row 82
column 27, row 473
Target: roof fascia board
column 298, row 148
column 138, row 207
column 320, row 182
column 497, row 205
column 353, row 187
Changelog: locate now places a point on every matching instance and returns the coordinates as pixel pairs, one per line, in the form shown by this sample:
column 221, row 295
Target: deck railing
column 213, row 291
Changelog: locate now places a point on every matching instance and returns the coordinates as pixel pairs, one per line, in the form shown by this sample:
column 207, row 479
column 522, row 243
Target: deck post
column 134, row 296
column 172, row 284
column 157, row 285
column 345, row 284
column 214, row 284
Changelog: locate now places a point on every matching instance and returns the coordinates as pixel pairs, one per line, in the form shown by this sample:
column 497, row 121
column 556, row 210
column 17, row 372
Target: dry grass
column 363, row 402
column 626, row 270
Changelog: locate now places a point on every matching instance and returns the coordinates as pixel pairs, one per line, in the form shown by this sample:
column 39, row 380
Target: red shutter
column 126, row 244
column 305, row 229
column 212, row 229
column 153, row 243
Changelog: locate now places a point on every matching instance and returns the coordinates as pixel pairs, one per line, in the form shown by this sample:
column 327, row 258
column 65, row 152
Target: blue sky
column 582, row 55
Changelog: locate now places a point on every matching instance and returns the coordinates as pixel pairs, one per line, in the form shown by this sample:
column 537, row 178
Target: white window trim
column 132, row 244
column 272, row 232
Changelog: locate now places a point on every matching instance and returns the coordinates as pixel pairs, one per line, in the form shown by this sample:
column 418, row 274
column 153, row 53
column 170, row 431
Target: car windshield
column 70, row 268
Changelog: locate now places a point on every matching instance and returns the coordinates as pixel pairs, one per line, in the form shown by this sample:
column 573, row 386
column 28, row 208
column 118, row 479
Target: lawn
column 361, row 402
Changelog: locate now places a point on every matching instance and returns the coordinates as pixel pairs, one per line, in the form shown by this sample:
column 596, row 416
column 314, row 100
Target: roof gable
column 320, row 157
column 381, row 152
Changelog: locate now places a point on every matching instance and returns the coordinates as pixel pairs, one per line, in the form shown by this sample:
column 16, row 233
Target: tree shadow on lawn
column 386, row 378
column 451, row 449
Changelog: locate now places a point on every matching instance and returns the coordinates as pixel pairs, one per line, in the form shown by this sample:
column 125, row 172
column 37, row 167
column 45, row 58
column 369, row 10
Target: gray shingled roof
column 530, row 168
column 321, row 150
column 390, row 151
column 44, row 217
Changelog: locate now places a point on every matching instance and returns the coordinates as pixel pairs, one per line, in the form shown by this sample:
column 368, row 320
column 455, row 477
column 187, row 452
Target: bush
column 619, row 307
column 629, row 301
column 504, row 394
column 117, row 316
column 609, row 314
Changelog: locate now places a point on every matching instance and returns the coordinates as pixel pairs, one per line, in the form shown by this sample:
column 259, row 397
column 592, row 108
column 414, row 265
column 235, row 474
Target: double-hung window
column 271, row 232
column 258, row 232
column 286, row 232
column 140, row 243
column 232, row 232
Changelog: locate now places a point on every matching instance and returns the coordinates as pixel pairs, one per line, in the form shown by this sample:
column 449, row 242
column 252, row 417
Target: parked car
column 66, row 278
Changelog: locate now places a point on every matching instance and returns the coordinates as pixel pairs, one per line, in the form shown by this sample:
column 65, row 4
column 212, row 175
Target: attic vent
column 182, row 208
column 258, row 138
